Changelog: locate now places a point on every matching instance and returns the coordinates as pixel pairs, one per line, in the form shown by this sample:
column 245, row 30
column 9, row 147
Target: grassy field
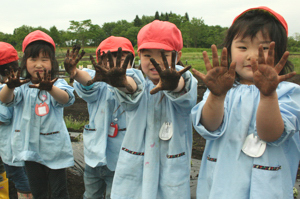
column 190, row 56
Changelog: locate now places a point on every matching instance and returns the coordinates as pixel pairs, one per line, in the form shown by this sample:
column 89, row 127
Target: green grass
column 74, row 124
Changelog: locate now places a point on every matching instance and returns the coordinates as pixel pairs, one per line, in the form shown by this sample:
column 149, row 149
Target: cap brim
column 155, row 45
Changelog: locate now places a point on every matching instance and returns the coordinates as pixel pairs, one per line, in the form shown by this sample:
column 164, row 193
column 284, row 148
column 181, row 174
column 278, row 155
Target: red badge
column 41, row 109
column 113, row 130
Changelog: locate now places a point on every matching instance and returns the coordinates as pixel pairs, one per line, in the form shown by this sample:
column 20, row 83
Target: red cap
column 272, row 12
column 112, row 44
column 7, row 53
column 160, row 35
column 36, row 36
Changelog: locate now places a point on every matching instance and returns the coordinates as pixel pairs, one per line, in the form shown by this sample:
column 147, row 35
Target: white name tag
column 166, row 131
column 254, row 146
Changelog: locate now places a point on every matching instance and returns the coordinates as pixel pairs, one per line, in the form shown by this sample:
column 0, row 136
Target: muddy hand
column 265, row 74
column 219, row 79
column 100, row 67
column 72, row 59
column 13, row 80
column 169, row 76
column 117, row 74
column 45, row 83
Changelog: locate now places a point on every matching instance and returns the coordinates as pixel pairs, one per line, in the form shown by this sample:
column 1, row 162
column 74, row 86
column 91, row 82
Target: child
column 107, row 120
column 14, row 171
column 249, row 114
column 40, row 136
column 156, row 152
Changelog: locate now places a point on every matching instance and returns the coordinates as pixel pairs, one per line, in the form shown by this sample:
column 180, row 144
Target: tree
column 156, row 15
column 53, row 32
column 137, row 21
column 187, row 16
column 81, row 30
column 167, row 17
column 97, row 35
column 19, row 34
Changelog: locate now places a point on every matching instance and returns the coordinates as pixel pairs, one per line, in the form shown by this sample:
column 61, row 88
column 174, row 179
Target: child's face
column 38, row 64
column 242, row 50
column 124, row 54
column 148, row 68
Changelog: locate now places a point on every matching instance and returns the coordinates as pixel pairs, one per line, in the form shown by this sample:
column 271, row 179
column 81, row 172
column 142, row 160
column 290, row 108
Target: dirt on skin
column 79, row 111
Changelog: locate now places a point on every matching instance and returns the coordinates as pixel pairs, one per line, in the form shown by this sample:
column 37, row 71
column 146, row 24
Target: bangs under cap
column 37, row 36
column 160, row 35
column 7, row 53
column 112, row 44
column 270, row 11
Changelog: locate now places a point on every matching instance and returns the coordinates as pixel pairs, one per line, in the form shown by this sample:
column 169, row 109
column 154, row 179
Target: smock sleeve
column 289, row 105
column 196, row 116
column 63, row 85
column 130, row 101
column 185, row 100
column 90, row 93
column 6, row 114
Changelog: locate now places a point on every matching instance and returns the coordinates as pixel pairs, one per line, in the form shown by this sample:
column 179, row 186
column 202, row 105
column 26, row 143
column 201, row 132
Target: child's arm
column 70, row 63
column 47, row 84
column 269, row 123
column 170, row 78
column 219, row 79
column 13, row 81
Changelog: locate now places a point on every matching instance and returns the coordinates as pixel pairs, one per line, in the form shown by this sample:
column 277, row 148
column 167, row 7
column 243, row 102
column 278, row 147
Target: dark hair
column 254, row 21
column 33, row 50
column 14, row 65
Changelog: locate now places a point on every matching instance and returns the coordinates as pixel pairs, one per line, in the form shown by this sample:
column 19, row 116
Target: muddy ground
column 79, row 111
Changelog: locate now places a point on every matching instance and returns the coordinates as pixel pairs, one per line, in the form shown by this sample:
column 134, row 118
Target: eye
column 146, row 55
column 242, row 47
column 266, row 47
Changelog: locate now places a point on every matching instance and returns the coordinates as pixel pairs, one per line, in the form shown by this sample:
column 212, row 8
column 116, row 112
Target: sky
column 59, row 13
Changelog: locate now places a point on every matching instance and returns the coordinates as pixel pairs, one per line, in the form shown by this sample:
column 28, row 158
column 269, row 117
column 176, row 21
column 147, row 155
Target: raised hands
column 169, row 76
column 265, row 74
column 13, row 80
column 72, row 59
column 113, row 75
column 45, row 83
column 100, row 67
column 219, row 79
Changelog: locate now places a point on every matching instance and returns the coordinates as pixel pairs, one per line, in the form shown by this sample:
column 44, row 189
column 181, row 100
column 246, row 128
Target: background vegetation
column 195, row 33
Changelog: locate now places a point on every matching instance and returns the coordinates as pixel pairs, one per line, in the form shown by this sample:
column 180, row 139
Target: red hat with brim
column 272, row 12
column 112, row 44
column 8, row 53
column 36, row 36
column 160, row 35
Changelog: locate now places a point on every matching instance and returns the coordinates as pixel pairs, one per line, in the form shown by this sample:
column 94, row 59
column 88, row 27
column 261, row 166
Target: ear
column 179, row 53
column 139, row 54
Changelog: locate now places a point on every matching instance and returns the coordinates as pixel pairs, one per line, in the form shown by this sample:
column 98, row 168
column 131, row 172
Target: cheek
column 239, row 59
column 48, row 66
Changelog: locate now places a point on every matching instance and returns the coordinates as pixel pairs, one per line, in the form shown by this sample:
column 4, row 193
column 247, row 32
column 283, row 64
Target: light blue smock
column 226, row 171
column 5, row 136
column 42, row 139
column 6, row 117
column 149, row 167
column 104, row 109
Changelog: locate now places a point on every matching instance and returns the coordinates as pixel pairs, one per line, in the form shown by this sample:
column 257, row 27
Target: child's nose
column 253, row 54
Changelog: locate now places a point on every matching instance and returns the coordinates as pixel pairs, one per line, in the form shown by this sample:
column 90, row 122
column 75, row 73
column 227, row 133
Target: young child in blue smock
column 40, row 136
column 15, row 171
column 250, row 115
column 104, row 134
column 155, row 158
